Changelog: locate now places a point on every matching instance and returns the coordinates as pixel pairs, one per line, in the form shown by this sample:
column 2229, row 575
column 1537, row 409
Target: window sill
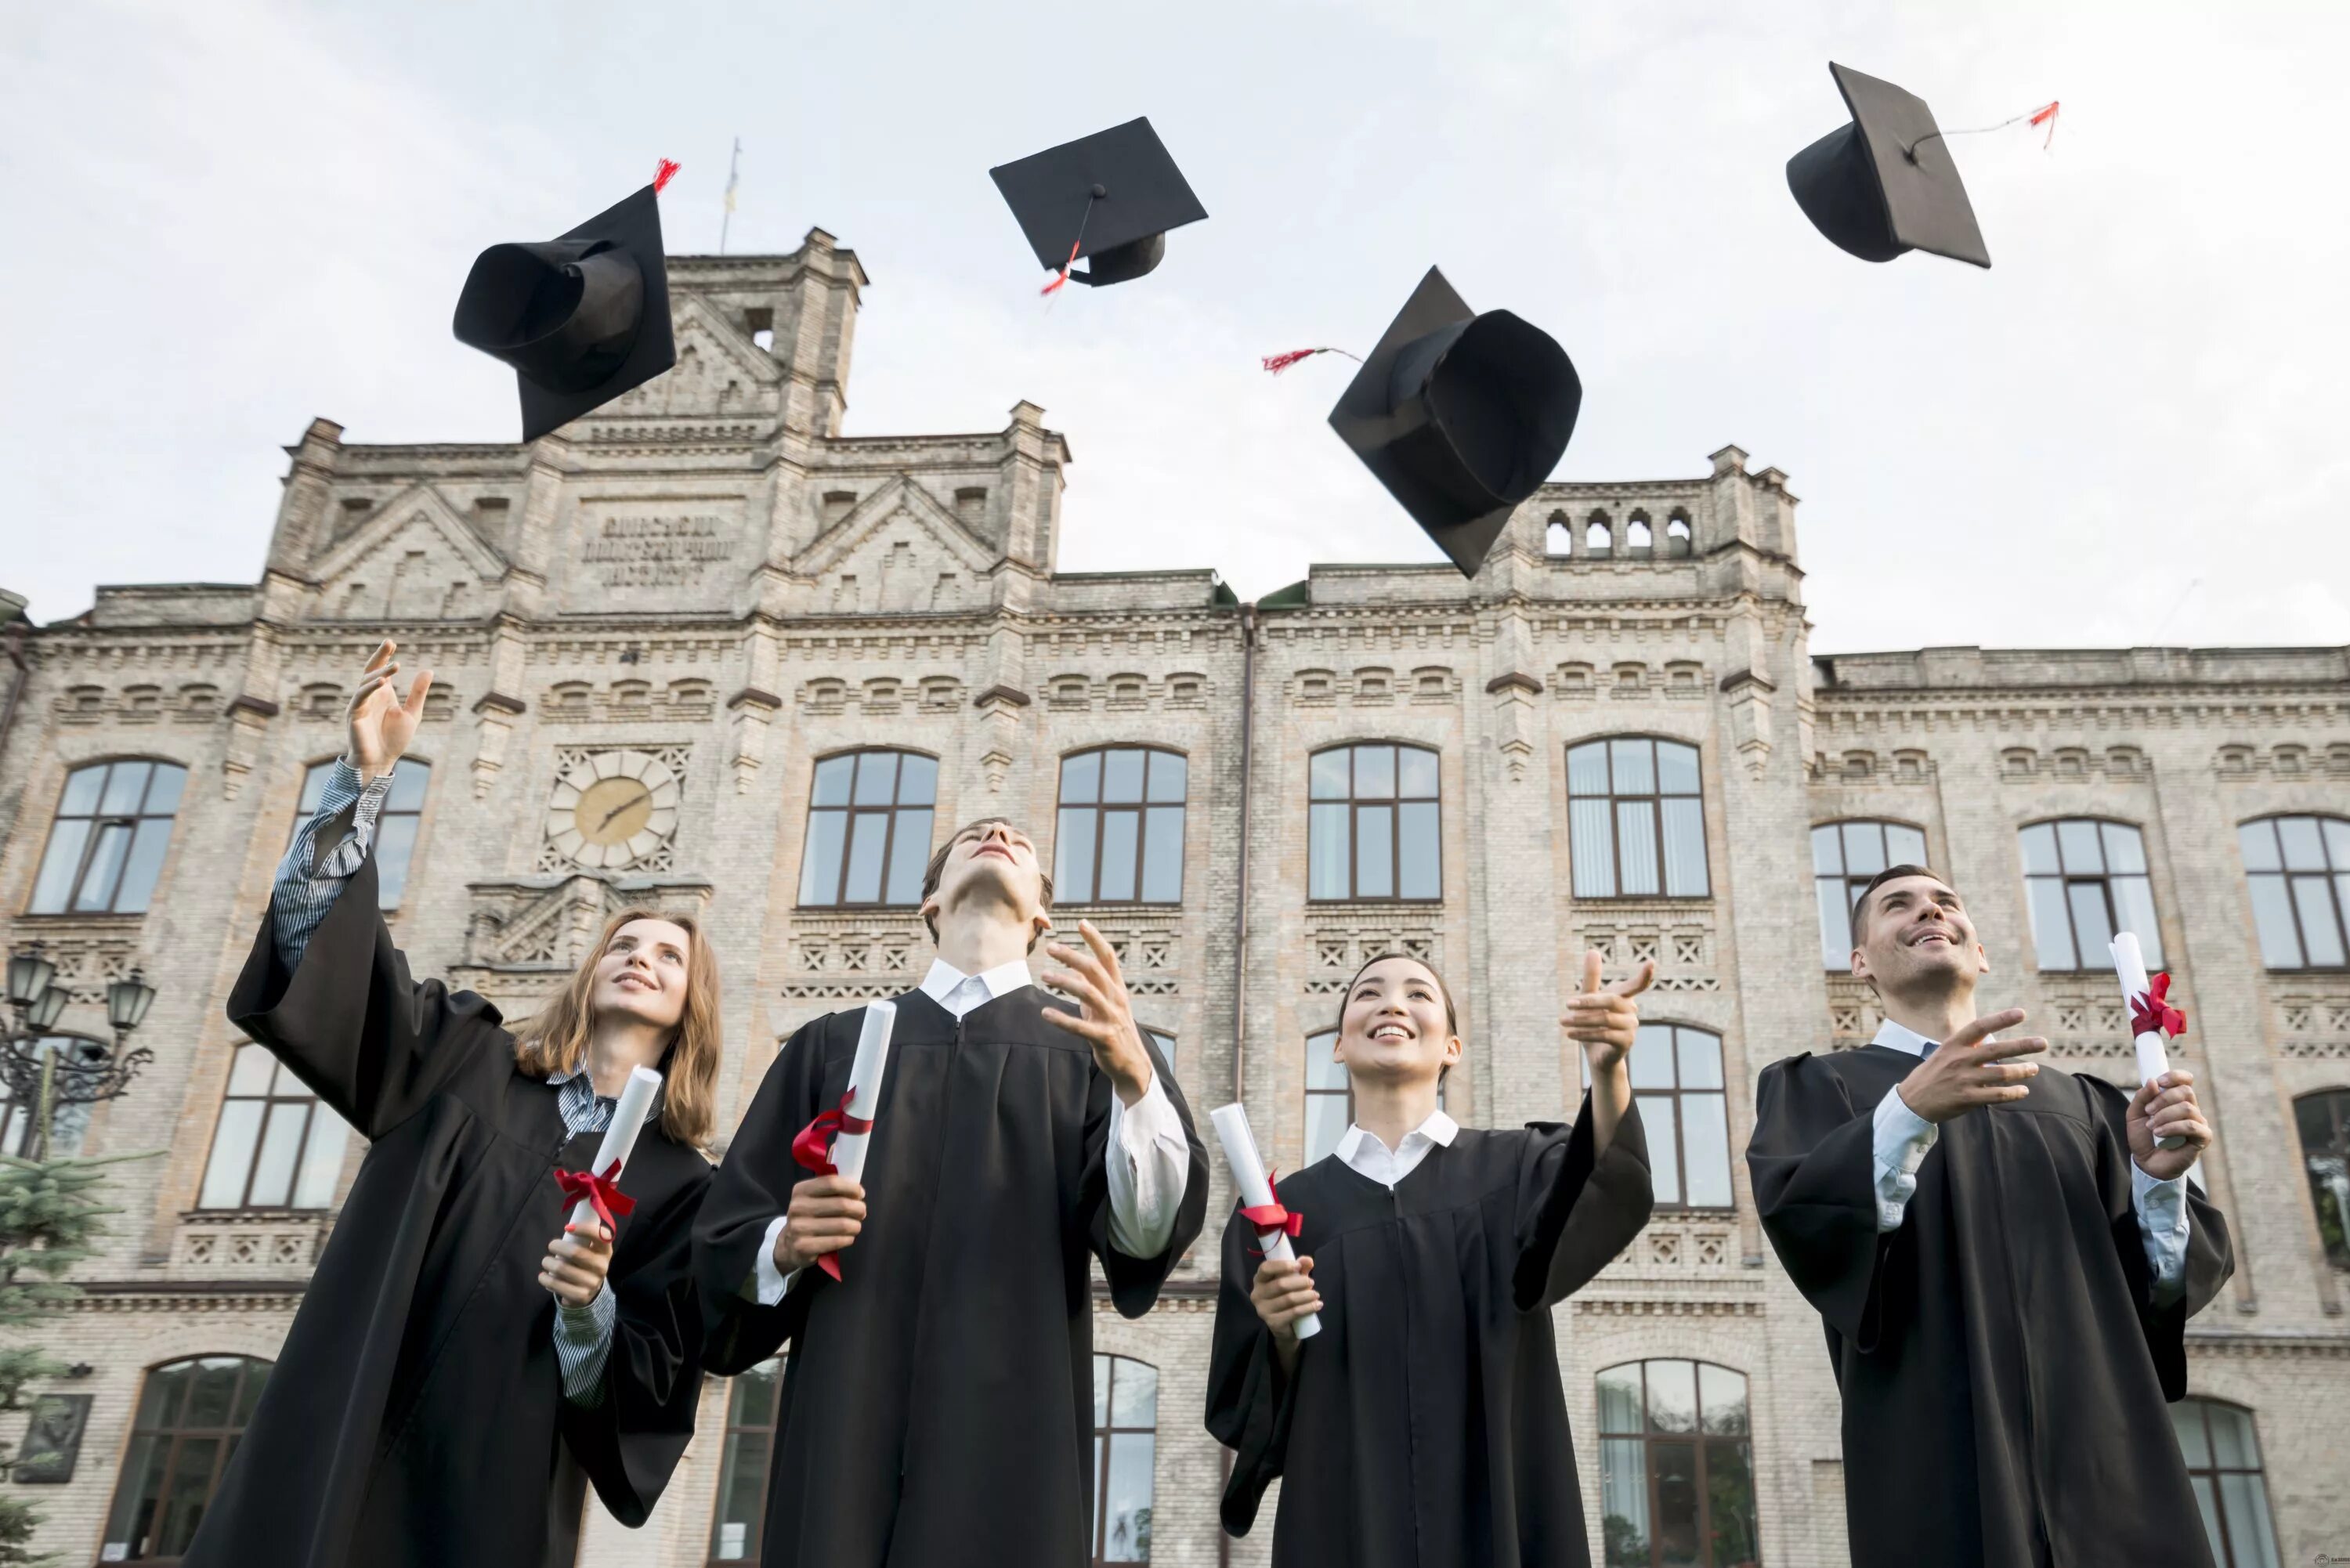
column 1436, row 903
column 103, row 922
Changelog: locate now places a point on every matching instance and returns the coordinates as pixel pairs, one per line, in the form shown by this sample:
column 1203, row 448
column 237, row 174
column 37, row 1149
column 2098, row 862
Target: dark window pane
column 1122, row 776
column 55, row 884
column 1730, row 1505
column 2052, row 926
column 1722, row 1399
column 820, row 865
column 212, row 1392
column 1619, row 1398
column 1415, row 773
column 395, row 841
column 918, row 781
column 1375, row 773
column 1633, row 764
column 2316, row 901
column 1624, row 1501
column 1375, row 852
column 868, row 836
column 1418, row 862
column 1592, row 848
column 909, row 853
column 248, row 1394
column 1676, row 768
column 1168, row 775
column 2259, row 843
column 1126, row 1498
column 125, row 789
column 166, row 1391
column 1587, row 768
column 2078, row 841
column 1685, row 873
column 83, row 786
column 1081, row 779
column 144, row 865
column 2092, row 928
column 97, row 890
column 185, row 1494
column 2206, row 1503
column 1636, row 849
column 1120, row 836
column 1674, row 1466
column 753, row 1395
column 734, row 1529
column 876, row 778
column 1329, row 774
column 1162, row 854
column 2039, row 844
column 1073, row 854
column 1827, row 850
column 832, row 780
column 1327, row 851
column 139, row 1493
column 2246, row 1503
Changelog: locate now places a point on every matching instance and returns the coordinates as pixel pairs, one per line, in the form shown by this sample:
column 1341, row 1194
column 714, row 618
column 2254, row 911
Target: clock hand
column 615, row 811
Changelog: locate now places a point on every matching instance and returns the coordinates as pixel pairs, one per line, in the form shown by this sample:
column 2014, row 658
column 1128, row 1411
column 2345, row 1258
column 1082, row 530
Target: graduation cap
column 1460, row 415
column 1112, row 195
column 1885, row 183
column 582, row 317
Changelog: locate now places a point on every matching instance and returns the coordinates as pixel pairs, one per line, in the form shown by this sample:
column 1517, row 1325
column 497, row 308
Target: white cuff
column 1901, row 1141
column 1148, row 1165
column 770, row 1281
column 2161, row 1207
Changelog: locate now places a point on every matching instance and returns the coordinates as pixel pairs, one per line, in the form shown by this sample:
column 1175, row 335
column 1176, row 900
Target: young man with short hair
column 937, row 1409
column 2004, row 1258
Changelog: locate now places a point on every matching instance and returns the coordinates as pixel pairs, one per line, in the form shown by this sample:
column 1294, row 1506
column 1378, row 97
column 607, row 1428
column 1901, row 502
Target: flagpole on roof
column 734, row 171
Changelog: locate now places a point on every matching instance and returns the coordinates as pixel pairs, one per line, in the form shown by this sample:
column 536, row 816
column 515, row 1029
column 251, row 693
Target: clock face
column 613, row 808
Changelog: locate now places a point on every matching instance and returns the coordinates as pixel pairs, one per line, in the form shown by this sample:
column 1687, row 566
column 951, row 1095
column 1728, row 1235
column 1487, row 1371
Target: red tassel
column 1278, row 363
column 660, row 176
column 1062, row 276
column 2048, row 117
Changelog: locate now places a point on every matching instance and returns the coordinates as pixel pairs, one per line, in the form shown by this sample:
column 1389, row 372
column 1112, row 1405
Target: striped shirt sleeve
column 583, row 1343
column 327, row 851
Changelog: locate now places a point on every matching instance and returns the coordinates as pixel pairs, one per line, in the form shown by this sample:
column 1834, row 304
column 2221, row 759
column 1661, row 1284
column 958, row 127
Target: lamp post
column 36, row 1073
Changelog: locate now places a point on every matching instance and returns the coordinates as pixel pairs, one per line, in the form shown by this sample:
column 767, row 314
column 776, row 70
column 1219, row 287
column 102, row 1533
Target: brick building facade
column 707, row 587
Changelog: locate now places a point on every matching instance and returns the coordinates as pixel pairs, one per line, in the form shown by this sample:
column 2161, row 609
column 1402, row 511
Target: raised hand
column 1105, row 1022
column 2164, row 1107
column 1604, row 1021
column 576, row 1261
column 1971, row 1069
column 825, row 1214
column 380, row 724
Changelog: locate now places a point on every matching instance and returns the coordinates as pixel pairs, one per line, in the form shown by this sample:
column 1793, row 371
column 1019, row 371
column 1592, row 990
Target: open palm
column 381, row 724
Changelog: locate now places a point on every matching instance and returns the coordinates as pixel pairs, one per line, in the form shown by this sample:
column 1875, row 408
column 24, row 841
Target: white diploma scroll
column 1256, row 1190
column 865, row 1075
column 2153, row 1050
column 620, row 1137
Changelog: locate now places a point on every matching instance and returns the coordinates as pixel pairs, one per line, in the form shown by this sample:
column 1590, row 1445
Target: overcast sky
column 228, row 218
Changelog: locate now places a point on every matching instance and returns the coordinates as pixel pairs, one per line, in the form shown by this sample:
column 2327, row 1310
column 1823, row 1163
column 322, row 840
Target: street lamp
column 32, row 1068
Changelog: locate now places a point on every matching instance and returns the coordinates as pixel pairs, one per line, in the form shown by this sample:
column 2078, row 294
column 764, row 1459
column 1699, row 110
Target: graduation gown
column 936, row 1407
column 1424, row 1427
column 416, row 1414
column 2002, row 1367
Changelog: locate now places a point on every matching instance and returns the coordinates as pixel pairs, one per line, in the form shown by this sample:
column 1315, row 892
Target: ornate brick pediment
column 525, row 937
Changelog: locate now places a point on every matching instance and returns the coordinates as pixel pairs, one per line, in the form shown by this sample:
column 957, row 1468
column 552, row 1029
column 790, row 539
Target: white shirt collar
column 1901, row 1037
column 1001, row 980
column 1438, row 1129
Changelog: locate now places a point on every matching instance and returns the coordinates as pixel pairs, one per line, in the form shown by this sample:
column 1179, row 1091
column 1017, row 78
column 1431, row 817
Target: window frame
column 130, row 1475
column 1355, row 806
column 1698, row 1437
column 1677, row 1092
column 2065, row 880
column 1319, row 1044
column 2335, row 1102
column 733, row 1429
column 1105, row 1435
column 1853, row 882
column 100, row 820
column 2334, row 878
column 2203, row 1404
column 269, row 1099
column 302, row 813
column 1064, row 889
column 850, row 811
column 1655, row 800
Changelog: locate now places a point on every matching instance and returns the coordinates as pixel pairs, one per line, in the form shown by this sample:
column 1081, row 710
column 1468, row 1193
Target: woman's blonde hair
column 554, row 1038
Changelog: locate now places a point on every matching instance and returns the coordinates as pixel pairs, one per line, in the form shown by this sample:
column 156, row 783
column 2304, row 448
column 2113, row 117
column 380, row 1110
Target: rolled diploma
column 2153, row 1051
column 864, row 1075
column 620, row 1137
column 1256, row 1191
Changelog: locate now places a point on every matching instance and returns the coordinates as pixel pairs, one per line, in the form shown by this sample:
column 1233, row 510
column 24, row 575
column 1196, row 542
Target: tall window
column 68, row 1123
column 1329, row 1100
column 1675, row 1467
column 2087, row 880
column 2299, row 868
column 277, row 1145
column 868, row 831
column 1121, row 834
column 395, row 825
column 1126, row 1428
column 2324, row 1120
column 751, row 1401
column 1844, row 856
column 108, row 842
column 1166, row 1043
column 1372, row 823
column 1677, row 1083
column 1635, row 820
column 191, row 1414
column 2223, row 1466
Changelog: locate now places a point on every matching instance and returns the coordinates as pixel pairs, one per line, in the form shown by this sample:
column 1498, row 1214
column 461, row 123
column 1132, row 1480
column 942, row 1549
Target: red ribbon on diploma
column 2149, row 1010
column 1271, row 1218
column 813, row 1149
column 601, row 1193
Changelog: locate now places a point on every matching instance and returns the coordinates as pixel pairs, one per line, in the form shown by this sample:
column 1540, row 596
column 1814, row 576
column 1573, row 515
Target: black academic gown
column 2004, row 1371
column 1424, row 1427
column 936, row 1407
column 416, row 1414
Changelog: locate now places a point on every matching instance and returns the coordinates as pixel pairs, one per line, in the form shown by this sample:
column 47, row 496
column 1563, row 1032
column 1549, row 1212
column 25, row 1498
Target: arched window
column 868, row 829
column 107, row 843
column 1558, row 536
column 1677, row 1084
column 276, row 1146
column 395, row 825
column 1125, row 1438
column 69, row 1120
column 2324, row 1120
column 1329, row 1097
column 2299, row 868
column 1844, row 856
column 191, row 1414
column 1677, row 534
column 1675, row 1467
column 2223, row 1466
column 1372, row 826
column 1639, row 539
column 1635, row 820
column 1598, row 536
column 1119, row 837
column 750, row 1403
column 2087, row 879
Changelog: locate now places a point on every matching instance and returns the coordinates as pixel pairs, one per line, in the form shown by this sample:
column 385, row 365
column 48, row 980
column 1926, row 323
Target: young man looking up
column 2005, row 1260
column 937, row 1410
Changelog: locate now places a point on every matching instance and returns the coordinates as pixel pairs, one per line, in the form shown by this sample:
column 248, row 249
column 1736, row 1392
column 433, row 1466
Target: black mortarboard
column 1112, row 196
column 1885, row 183
column 1461, row 416
column 582, row 318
